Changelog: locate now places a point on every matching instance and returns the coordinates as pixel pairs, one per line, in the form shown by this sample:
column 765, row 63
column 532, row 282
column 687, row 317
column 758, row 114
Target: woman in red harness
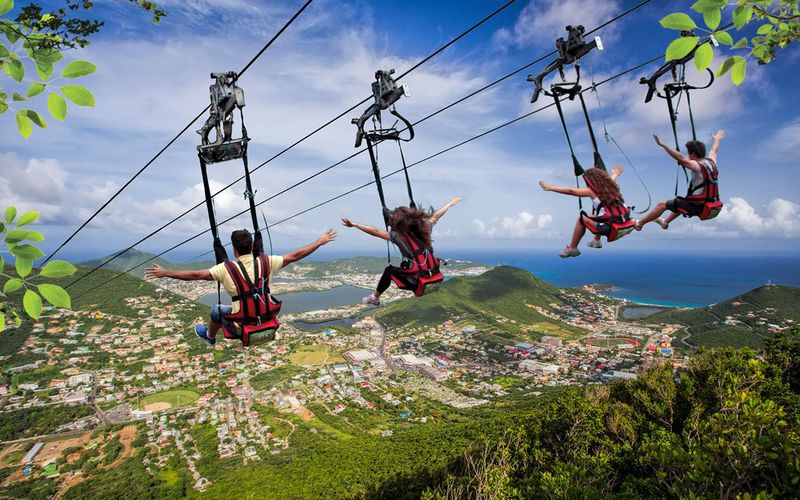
column 408, row 228
column 607, row 205
column 702, row 184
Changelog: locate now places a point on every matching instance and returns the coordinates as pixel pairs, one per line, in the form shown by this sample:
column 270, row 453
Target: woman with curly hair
column 604, row 193
column 403, row 221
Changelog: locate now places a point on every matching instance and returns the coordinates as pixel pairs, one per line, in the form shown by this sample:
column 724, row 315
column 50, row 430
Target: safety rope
column 411, row 202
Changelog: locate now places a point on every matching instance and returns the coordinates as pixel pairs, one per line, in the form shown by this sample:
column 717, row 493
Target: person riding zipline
column 242, row 243
column 404, row 222
column 595, row 242
column 604, row 193
column 704, row 171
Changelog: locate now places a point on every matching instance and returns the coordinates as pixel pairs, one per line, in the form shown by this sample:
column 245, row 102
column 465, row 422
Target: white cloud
column 543, row 21
column 522, row 225
column 781, row 219
column 784, row 143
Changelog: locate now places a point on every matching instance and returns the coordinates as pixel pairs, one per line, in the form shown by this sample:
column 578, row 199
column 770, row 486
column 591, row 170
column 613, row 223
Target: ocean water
column 691, row 279
column 307, row 301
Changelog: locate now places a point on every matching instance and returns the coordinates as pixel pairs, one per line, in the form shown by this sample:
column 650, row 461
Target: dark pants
column 409, row 282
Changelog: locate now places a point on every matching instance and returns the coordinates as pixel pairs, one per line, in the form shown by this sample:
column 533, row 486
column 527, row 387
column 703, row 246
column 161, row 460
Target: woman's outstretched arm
column 370, row 230
column 572, row 191
column 439, row 213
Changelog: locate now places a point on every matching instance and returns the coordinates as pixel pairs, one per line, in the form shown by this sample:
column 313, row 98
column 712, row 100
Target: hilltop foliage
column 752, row 313
column 504, row 291
column 727, row 426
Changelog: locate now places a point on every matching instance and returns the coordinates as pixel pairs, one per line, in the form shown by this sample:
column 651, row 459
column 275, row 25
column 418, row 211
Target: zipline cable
column 285, row 150
column 172, row 141
column 431, row 115
column 425, row 159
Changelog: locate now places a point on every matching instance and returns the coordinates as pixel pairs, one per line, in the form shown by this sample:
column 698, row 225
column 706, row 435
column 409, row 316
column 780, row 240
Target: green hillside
column 743, row 321
column 135, row 257
column 496, row 301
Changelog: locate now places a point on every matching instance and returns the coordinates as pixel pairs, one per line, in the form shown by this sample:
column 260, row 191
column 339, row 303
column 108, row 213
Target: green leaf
column 32, row 304
column 35, row 89
column 28, row 217
column 724, row 37
column 703, row 56
column 35, row 118
column 44, row 70
column 55, row 295
column 34, row 236
column 79, row 95
column 57, row 106
column 681, row 47
column 712, row 19
column 12, row 30
column 2, row 263
column 23, row 266
column 741, row 43
column 10, row 214
column 2, row 322
column 703, row 6
column 725, row 66
column 50, row 56
column 3, row 107
column 764, row 29
column 739, row 70
column 13, row 285
column 6, row 6
column 3, row 50
column 678, row 21
column 24, row 125
column 27, row 252
column 16, row 236
column 15, row 69
column 741, row 16
column 78, row 68
column 19, row 97
column 58, row 269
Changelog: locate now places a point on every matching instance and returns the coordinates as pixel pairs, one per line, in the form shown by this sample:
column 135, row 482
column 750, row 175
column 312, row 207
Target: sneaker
column 569, row 252
column 371, row 300
column 593, row 243
column 637, row 225
column 202, row 332
column 663, row 223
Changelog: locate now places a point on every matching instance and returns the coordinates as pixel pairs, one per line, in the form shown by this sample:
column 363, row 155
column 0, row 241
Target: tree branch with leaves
column 779, row 25
column 34, row 44
column 19, row 242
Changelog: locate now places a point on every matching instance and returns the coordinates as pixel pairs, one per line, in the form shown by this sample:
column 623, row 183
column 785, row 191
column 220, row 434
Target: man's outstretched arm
column 157, row 271
column 715, row 147
column 307, row 250
column 684, row 161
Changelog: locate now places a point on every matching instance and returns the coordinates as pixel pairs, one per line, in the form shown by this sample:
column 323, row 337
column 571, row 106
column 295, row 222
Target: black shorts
column 681, row 205
column 603, row 229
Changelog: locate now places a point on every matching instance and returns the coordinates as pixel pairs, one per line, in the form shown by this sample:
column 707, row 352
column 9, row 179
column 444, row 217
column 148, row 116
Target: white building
column 81, row 378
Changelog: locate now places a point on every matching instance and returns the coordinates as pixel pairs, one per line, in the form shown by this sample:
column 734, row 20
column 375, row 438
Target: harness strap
column 408, row 181
column 598, row 160
column 673, row 120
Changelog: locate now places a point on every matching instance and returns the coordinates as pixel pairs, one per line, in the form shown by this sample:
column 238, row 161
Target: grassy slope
column 503, row 291
column 708, row 331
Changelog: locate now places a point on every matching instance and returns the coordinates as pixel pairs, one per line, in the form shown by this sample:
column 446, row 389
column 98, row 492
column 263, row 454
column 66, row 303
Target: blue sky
column 152, row 79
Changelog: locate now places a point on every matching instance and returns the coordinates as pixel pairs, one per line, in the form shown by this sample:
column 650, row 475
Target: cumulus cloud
column 785, row 142
column 43, row 184
column 780, row 219
column 522, row 225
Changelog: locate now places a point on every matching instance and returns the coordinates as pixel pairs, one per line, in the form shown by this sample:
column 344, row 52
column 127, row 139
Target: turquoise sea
column 688, row 279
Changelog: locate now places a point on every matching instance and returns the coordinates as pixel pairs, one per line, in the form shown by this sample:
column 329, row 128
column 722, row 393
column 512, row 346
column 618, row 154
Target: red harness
column 617, row 216
column 711, row 204
column 422, row 275
column 258, row 309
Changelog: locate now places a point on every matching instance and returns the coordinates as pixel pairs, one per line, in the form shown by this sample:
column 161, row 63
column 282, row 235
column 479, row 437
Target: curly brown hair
column 599, row 181
column 413, row 222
